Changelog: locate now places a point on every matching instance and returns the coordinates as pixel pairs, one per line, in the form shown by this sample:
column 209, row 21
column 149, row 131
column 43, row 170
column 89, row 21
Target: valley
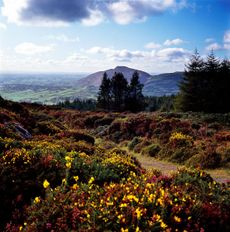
column 53, row 88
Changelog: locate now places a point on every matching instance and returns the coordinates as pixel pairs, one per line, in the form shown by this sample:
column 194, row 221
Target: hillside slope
column 95, row 79
column 163, row 84
column 156, row 85
column 63, row 170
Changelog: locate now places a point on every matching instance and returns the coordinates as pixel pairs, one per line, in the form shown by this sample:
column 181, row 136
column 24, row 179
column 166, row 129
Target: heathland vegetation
column 67, row 170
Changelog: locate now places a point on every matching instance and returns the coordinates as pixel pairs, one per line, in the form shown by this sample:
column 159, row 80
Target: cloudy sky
column 91, row 35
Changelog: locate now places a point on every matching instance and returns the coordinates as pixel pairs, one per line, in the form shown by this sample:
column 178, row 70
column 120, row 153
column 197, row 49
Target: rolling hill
column 156, row 85
column 94, row 79
column 163, row 84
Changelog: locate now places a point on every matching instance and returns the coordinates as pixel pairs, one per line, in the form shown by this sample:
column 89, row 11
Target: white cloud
column 126, row 11
column 63, row 38
column 173, row 42
column 76, row 57
column 213, row 47
column 172, row 54
column 113, row 54
column 96, row 17
column 227, row 37
column 152, row 45
column 209, row 40
column 89, row 13
column 3, row 26
column 12, row 9
column 32, row 49
column 122, row 12
column 163, row 55
column 100, row 58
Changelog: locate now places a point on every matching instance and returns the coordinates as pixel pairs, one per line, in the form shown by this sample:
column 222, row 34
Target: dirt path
column 220, row 175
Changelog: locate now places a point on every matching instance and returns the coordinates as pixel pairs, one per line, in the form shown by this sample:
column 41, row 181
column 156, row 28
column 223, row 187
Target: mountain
column 156, row 85
column 163, row 84
column 96, row 78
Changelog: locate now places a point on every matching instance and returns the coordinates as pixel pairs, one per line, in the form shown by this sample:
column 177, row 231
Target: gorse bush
column 139, row 203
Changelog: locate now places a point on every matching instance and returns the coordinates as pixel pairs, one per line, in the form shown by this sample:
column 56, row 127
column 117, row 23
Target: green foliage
column 119, row 92
column 104, row 94
column 151, row 150
column 133, row 143
column 79, row 104
column 164, row 103
column 117, row 95
column 205, row 86
column 135, row 98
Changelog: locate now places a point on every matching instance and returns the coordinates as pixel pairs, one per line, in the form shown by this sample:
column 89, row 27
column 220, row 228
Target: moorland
column 65, row 170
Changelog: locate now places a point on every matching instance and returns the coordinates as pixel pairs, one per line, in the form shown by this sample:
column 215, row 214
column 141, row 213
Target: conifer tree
column 191, row 85
column 104, row 95
column 205, row 86
column 119, row 91
column 223, row 87
column 135, row 100
column 211, row 80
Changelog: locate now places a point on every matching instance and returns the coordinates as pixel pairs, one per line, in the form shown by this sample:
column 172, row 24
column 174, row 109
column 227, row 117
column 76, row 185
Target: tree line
column 117, row 94
column 205, row 86
column 151, row 104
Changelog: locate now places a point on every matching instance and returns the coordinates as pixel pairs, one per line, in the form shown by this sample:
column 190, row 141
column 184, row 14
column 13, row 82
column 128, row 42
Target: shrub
column 77, row 136
column 180, row 155
column 133, row 143
column 143, row 143
column 46, row 128
column 189, row 201
column 103, row 121
column 91, row 119
column 210, row 159
column 22, row 172
column 178, row 139
column 151, row 150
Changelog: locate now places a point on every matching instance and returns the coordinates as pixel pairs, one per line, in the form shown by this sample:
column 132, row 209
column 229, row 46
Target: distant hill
column 95, row 78
column 163, row 84
column 156, row 85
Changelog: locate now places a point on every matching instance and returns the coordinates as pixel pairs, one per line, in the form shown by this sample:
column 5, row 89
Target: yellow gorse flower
column 46, row 184
column 177, row 219
column 76, row 178
column 178, row 136
column 91, row 180
column 75, row 186
column 68, row 165
column 163, row 225
column 37, row 200
column 139, row 213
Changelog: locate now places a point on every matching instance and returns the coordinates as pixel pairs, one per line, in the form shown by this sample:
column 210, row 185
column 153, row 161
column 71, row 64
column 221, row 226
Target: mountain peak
column 95, row 78
column 125, row 67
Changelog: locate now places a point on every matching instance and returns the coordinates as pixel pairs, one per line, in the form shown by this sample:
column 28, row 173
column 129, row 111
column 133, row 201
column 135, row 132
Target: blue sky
column 85, row 36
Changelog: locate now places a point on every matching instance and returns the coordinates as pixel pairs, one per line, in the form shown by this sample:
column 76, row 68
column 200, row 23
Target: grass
column 221, row 175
